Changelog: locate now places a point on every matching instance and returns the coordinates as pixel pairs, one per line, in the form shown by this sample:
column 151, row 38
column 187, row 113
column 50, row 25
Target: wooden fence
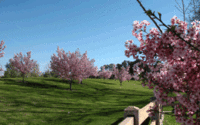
column 135, row 116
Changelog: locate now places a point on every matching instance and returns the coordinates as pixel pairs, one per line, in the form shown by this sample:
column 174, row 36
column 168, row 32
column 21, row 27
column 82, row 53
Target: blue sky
column 99, row 27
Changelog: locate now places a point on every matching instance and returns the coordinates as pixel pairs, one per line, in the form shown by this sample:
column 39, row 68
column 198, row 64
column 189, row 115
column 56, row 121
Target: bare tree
column 196, row 12
column 183, row 10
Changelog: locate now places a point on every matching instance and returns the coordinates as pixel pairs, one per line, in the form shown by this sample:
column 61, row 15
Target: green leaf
column 148, row 12
column 159, row 15
column 172, row 28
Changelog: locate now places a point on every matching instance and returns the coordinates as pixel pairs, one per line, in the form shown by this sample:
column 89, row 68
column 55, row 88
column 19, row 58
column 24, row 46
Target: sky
column 99, row 27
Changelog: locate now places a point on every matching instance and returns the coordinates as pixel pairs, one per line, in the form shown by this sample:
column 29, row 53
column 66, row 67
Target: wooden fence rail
column 136, row 116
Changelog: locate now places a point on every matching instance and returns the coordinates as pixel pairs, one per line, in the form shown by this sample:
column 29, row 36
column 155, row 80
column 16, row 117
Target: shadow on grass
column 118, row 121
column 29, row 84
column 58, row 80
column 36, row 84
column 102, row 82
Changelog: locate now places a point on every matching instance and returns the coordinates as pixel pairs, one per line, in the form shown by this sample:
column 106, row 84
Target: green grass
column 42, row 101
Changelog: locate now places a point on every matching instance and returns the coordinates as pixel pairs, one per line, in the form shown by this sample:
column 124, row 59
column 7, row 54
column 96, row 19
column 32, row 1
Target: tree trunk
column 23, row 78
column 71, row 85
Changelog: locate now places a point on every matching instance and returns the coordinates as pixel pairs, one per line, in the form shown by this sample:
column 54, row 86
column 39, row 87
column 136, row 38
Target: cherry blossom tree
column 72, row 66
column 88, row 67
column 105, row 74
column 34, row 72
column 122, row 75
column 25, row 67
column 129, row 77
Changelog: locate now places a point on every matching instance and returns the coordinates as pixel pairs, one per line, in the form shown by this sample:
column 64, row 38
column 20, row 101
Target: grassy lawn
column 42, row 101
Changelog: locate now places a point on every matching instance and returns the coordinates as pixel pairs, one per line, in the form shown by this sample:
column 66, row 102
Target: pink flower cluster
column 2, row 54
column 179, row 73
column 72, row 66
column 122, row 75
column 105, row 74
column 25, row 67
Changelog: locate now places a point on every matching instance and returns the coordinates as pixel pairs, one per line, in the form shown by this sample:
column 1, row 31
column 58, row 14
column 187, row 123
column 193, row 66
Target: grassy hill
column 41, row 101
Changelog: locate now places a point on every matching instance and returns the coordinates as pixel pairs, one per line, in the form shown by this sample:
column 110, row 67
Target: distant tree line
column 11, row 73
column 124, row 64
